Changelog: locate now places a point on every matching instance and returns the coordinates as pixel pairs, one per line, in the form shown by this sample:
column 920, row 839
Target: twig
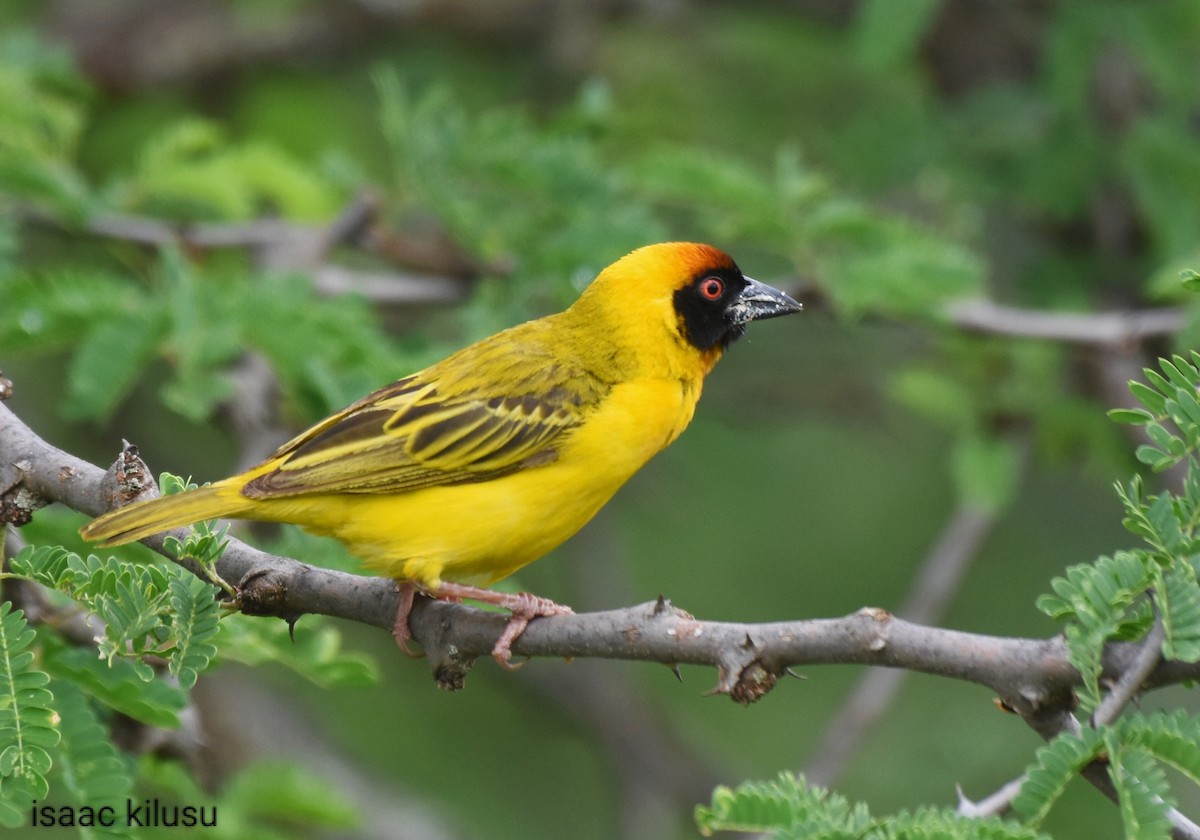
column 287, row 246
column 282, row 245
column 993, row 805
column 1091, row 328
column 1131, row 681
column 251, row 409
column 389, row 288
column 1143, row 664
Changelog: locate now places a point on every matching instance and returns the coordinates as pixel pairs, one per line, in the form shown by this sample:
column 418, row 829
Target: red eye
column 712, row 288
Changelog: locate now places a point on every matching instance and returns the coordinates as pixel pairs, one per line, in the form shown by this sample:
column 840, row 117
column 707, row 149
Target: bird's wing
column 416, row 433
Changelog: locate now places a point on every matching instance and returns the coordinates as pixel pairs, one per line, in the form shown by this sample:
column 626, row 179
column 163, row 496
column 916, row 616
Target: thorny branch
column 1032, row 676
column 441, row 275
column 993, row 805
column 1131, row 681
column 1089, row 328
column 281, row 245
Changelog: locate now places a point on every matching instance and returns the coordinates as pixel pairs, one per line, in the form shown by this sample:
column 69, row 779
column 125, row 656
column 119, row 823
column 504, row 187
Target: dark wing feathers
column 416, row 433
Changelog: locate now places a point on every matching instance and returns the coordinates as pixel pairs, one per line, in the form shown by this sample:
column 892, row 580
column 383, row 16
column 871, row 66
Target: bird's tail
column 141, row 519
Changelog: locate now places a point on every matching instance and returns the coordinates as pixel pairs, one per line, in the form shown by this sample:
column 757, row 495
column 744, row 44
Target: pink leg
column 523, row 606
column 400, row 629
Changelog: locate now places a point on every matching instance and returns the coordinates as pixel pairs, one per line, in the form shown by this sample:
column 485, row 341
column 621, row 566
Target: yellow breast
column 479, row 533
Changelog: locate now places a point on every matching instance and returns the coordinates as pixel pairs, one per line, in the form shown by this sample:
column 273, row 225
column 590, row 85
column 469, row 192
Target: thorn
column 962, row 797
column 291, row 623
column 715, row 690
column 674, row 666
column 660, row 606
column 792, row 673
column 748, row 643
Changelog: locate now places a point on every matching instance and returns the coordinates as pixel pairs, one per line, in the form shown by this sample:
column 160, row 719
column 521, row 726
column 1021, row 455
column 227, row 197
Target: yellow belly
column 479, row 533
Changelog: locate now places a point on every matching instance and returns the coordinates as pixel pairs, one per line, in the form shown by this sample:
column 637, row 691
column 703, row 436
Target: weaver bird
column 455, row 477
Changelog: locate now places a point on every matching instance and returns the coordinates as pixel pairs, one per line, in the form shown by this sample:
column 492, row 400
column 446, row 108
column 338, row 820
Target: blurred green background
column 881, row 158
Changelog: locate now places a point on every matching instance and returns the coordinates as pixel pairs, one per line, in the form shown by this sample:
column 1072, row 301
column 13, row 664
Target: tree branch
column 1032, row 676
column 278, row 245
column 1094, row 328
column 1130, row 682
column 993, row 805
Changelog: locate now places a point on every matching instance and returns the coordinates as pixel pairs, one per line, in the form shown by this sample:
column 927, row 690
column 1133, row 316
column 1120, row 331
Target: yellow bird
column 455, row 477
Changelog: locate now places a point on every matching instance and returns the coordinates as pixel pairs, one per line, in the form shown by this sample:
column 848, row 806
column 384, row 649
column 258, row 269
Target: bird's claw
column 401, row 632
column 524, row 607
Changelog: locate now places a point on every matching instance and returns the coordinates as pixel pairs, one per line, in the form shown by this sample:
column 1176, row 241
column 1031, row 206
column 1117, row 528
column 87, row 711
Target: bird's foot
column 523, row 606
column 400, row 629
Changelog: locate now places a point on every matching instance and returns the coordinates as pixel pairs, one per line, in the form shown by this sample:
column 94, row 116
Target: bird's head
column 696, row 292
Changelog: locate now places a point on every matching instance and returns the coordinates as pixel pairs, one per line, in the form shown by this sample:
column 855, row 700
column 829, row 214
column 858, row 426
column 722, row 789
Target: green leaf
column 1162, row 438
column 195, row 614
column 44, row 564
column 1179, row 374
column 1147, row 396
column 1142, row 791
column 14, row 813
column 1161, row 515
column 1154, row 458
column 1130, row 416
column 1179, row 608
column 931, row 824
column 1097, row 600
column 119, row 685
column 271, row 790
column 1173, row 738
column 888, row 34
column 789, row 809
column 191, row 171
column 471, row 169
column 27, row 720
column 257, row 796
column 986, row 471
column 316, row 653
column 784, row 803
column 1162, row 162
column 1190, row 280
column 937, row 396
column 108, row 361
column 93, row 771
column 1093, row 594
column 1158, row 382
column 50, row 310
column 1057, row 763
column 888, row 265
column 42, row 111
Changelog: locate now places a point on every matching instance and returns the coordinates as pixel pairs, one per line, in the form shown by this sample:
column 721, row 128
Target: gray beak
column 758, row 301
